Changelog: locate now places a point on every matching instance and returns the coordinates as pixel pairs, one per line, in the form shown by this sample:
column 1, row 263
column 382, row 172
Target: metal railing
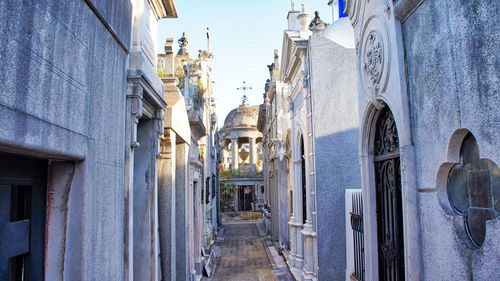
column 356, row 215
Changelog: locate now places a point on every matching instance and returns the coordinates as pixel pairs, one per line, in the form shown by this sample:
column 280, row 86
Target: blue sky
column 243, row 36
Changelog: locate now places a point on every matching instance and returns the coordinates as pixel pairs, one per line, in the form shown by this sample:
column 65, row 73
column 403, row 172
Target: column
column 182, row 210
column 236, row 155
column 166, row 204
column 253, row 156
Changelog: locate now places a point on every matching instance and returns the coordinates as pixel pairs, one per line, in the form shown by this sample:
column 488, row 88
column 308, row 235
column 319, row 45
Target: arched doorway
column 388, row 198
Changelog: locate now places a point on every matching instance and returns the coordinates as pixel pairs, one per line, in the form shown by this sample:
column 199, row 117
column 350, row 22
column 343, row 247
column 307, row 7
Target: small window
column 474, row 190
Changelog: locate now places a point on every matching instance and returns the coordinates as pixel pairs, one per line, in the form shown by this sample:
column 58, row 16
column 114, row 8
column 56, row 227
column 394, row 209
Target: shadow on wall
column 337, row 169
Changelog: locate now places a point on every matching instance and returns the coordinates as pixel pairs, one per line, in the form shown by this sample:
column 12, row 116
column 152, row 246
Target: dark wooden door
column 389, row 205
column 22, row 217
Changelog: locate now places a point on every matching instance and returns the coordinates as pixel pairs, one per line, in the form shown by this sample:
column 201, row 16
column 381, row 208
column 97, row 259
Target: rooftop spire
column 244, row 88
column 293, row 5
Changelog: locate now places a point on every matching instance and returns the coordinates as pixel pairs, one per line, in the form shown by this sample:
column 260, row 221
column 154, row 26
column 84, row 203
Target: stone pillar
column 299, row 254
column 166, row 204
column 236, row 155
column 181, row 223
column 253, row 156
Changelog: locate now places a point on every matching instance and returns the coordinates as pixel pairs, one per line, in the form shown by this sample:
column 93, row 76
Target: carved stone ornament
column 374, row 57
column 387, row 9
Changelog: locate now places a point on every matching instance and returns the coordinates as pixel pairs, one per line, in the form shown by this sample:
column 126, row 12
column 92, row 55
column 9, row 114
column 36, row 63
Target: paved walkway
column 243, row 256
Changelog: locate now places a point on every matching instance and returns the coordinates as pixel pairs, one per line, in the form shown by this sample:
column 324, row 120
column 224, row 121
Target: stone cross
column 244, row 88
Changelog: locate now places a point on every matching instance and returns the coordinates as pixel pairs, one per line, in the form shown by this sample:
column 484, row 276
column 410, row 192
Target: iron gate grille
column 358, row 237
column 389, row 205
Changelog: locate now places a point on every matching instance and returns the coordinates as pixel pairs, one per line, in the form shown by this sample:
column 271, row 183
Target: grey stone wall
column 336, row 132
column 452, row 52
column 62, row 96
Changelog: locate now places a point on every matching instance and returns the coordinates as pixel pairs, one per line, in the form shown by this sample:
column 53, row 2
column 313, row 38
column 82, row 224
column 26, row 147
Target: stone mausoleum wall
column 336, row 132
column 62, row 96
column 452, row 54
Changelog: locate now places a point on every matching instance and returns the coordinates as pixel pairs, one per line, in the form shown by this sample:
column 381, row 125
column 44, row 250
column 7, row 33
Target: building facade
column 425, row 116
column 241, row 167
column 190, row 164
column 311, row 134
column 83, row 109
column 415, row 140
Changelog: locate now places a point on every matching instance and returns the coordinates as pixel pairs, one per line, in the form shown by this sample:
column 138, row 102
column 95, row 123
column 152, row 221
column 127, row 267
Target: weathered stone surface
column 452, row 53
column 454, row 81
column 443, row 257
column 62, row 84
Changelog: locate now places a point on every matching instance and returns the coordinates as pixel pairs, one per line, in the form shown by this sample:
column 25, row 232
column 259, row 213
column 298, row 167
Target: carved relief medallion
column 374, row 57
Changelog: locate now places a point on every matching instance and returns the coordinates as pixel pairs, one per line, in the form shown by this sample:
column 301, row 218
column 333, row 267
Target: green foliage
column 227, row 190
column 228, row 174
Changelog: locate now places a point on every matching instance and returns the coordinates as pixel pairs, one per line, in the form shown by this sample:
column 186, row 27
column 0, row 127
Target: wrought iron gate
column 388, row 192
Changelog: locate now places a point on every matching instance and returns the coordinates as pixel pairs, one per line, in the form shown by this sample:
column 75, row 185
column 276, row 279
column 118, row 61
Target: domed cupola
column 242, row 116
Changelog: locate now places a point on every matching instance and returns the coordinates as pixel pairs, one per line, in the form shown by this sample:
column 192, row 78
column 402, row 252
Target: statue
column 183, row 41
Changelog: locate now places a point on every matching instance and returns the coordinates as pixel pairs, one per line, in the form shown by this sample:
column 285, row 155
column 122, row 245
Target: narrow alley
column 248, row 255
column 333, row 140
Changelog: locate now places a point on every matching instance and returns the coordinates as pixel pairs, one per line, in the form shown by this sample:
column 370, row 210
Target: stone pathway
column 245, row 256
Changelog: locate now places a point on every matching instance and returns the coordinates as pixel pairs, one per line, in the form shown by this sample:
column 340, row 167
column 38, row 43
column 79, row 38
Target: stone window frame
column 455, row 160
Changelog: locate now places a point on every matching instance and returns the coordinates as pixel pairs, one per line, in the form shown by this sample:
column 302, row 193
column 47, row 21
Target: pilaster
column 167, row 204
column 134, row 113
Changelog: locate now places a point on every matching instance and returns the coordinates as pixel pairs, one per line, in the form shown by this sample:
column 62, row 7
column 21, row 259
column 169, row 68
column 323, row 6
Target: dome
column 242, row 116
column 340, row 32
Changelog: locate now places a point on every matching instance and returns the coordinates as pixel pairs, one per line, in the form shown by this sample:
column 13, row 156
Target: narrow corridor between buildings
column 247, row 255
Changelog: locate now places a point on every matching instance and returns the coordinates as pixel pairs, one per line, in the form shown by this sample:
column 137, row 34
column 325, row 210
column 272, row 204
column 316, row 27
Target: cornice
column 163, row 8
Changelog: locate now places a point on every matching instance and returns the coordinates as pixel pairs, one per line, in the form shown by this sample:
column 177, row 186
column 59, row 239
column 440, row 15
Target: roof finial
column 303, row 8
column 244, row 88
column 317, row 24
column 293, row 5
column 208, row 40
